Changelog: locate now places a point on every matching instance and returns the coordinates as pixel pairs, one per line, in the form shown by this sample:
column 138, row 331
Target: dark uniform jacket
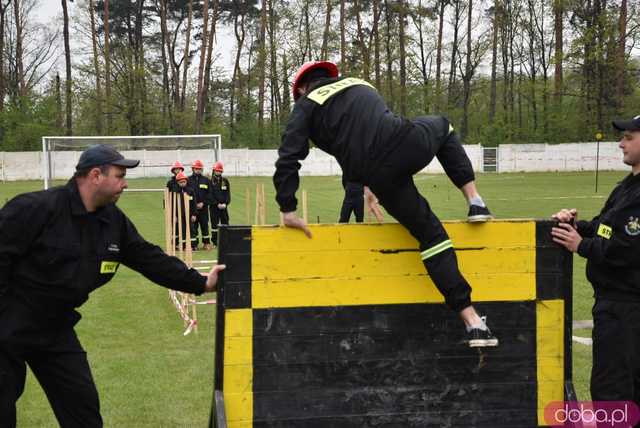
column 221, row 190
column 344, row 117
column 201, row 186
column 53, row 253
column 186, row 192
column 611, row 244
column 172, row 184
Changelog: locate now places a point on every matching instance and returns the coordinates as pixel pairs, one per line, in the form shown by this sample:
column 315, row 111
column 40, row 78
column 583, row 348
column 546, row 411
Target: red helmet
column 218, row 166
column 330, row 67
column 181, row 176
column 177, row 165
column 197, row 164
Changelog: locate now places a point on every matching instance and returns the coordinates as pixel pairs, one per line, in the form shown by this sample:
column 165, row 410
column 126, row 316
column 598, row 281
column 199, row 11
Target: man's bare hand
column 199, row 205
column 212, row 278
column 290, row 219
column 566, row 215
column 372, row 203
column 567, row 236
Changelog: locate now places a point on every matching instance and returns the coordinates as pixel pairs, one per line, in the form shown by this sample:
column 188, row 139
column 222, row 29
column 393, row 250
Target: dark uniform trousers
column 218, row 216
column 392, row 182
column 615, row 375
column 353, row 202
column 202, row 222
column 60, row 364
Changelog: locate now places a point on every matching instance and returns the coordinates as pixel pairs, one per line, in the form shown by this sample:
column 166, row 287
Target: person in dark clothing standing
column 221, row 200
column 353, row 201
column 347, row 118
column 172, row 184
column 184, row 191
column 611, row 244
column 56, row 247
column 201, row 186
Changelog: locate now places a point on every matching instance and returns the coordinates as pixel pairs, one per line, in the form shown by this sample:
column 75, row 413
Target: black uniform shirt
column 221, row 190
column 611, row 244
column 53, row 253
column 201, row 186
column 353, row 124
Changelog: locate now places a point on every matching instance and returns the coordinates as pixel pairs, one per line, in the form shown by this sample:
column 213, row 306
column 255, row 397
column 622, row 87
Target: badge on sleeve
column 605, row 231
column 632, row 227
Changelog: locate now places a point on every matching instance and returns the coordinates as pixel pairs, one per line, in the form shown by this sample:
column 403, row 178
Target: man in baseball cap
column 101, row 154
column 627, row 125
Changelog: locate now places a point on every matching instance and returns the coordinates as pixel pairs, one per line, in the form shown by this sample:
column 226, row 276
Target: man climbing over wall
column 347, row 118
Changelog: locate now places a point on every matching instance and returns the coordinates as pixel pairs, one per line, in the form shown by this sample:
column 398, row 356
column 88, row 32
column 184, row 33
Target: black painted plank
column 410, row 318
column 297, row 378
column 485, row 418
column 388, row 401
column 553, row 264
column 235, row 251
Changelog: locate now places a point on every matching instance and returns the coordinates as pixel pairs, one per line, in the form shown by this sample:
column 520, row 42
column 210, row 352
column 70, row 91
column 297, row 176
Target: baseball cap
column 101, row 154
column 627, row 125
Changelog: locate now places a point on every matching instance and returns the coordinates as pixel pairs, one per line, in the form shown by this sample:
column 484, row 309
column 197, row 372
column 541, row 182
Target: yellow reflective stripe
column 204, row 186
column 323, row 93
column 605, row 231
column 109, row 267
column 436, row 249
column 450, row 129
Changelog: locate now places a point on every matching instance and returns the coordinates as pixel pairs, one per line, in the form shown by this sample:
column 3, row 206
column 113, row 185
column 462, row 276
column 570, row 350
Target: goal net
column 156, row 153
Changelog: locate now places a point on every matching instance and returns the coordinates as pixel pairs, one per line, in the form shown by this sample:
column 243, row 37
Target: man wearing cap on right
column 611, row 244
column 56, row 247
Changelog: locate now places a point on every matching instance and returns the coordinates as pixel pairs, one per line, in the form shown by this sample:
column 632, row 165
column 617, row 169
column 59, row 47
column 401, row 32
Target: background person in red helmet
column 184, row 191
column 221, row 191
column 201, row 186
column 176, row 168
column 347, row 118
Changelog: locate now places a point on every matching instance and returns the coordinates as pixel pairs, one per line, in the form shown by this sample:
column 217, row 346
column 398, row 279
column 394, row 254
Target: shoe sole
column 483, row 343
column 480, row 218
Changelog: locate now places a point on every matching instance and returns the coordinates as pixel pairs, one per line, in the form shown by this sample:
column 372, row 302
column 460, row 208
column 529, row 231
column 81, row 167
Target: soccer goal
column 156, row 153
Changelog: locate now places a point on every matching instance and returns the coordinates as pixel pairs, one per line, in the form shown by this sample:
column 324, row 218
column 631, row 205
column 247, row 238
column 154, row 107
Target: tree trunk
column 342, row 38
column 438, row 95
column 389, row 58
column 187, row 60
column 20, row 79
column 362, row 42
column 467, row 76
column 621, row 56
column 376, row 43
column 96, row 67
column 167, row 115
column 209, row 60
column 403, row 59
column 454, row 53
column 201, row 65
column 58, row 103
column 262, row 55
column 275, row 91
column 3, row 77
column 67, row 62
column 558, row 11
column 239, row 32
column 494, row 64
column 324, row 51
column 107, row 69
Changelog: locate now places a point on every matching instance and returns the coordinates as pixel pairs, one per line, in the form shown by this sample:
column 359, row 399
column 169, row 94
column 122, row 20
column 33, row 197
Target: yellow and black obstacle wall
column 347, row 329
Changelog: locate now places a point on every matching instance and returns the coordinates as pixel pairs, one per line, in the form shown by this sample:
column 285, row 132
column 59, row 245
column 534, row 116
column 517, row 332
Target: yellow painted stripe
column 359, row 265
column 549, row 353
column 238, row 365
column 323, row 93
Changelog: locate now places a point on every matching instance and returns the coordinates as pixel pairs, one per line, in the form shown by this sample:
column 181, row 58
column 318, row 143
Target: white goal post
column 156, row 153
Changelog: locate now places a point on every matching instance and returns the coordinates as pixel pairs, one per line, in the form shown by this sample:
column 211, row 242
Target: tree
column 67, row 57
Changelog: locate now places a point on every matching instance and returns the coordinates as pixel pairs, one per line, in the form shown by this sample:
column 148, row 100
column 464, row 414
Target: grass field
column 149, row 375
